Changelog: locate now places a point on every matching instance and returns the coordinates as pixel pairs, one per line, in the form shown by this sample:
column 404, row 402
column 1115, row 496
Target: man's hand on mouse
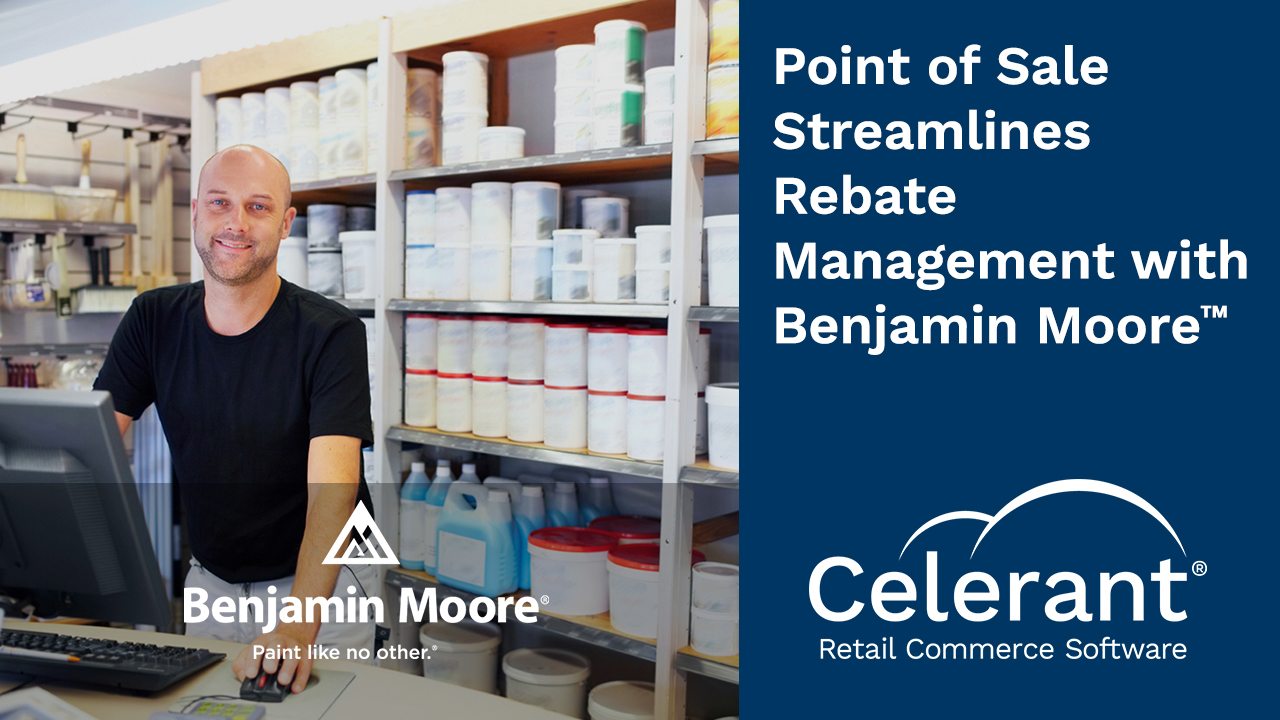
column 293, row 671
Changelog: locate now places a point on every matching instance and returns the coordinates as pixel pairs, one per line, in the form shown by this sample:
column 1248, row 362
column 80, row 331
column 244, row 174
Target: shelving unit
column 504, row 30
column 52, row 227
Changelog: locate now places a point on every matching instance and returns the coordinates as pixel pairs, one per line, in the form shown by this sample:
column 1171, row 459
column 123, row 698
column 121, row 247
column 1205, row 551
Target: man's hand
column 294, row 671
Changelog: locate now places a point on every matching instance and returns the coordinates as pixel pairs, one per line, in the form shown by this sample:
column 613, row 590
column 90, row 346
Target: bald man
column 263, row 392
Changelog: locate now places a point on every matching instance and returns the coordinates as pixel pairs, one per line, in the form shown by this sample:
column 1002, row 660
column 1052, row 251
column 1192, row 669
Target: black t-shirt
column 239, row 413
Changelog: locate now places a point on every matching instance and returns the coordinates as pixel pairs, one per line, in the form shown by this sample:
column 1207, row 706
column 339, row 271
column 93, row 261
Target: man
column 263, row 392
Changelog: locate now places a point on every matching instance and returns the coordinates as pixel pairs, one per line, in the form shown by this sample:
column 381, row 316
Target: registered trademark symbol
column 1199, row 568
column 546, row 600
column 434, row 648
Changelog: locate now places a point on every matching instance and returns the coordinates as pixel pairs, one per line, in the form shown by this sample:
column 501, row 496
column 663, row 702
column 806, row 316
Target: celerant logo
column 365, row 543
column 979, row 597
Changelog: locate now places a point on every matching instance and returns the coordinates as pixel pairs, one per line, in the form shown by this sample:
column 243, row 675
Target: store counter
column 372, row 693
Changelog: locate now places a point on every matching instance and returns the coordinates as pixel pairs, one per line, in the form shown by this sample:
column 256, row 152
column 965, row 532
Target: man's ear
column 289, row 215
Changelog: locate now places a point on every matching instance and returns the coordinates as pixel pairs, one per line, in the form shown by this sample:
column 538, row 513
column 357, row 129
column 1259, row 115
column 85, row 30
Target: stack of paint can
column 722, row 71
column 422, row 118
column 464, row 105
column 617, row 102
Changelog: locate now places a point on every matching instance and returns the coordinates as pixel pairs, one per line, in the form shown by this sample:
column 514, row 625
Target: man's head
column 240, row 214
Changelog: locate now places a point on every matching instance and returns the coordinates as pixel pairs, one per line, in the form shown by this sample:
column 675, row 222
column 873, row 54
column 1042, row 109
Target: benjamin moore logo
column 979, row 596
column 365, row 543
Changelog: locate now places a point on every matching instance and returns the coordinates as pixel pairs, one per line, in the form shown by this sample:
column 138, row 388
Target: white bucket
column 420, row 333
column 607, row 422
column 525, row 340
column 700, row 426
column 573, row 102
column 531, row 272
column 500, row 142
column 653, row 245
column 635, row 589
column 466, row 81
column 573, row 135
column 535, row 211
column 607, row 359
column 554, row 680
column 489, row 406
column 524, row 410
column 715, row 587
column 713, row 633
column 565, row 355
column 621, row 700
column 227, row 116
column 489, row 346
column 324, row 272
column 451, row 276
column 453, row 345
column 660, row 88
column 419, row 277
column 465, row 654
column 573, row 247
column 420, row 398
column 645, row 427
column 564, row 417
column 722, row 259
column 453, row 215
column 358, row 263
column 460, row 138
column 647, row 361
column 491, row 213
column 619, row 56
column 253, row 118
column 490, row 272
column 453, row 402
column 570, row 284
column 607, row 216
column 702, row 358
column 722, row 425
column 616, row 112
column 574, row 64
column 659, row 126
column 420, row 217
column 569, row 567
column 291, row 261
column 614, row 271
column 324, row 223
column 653, row 284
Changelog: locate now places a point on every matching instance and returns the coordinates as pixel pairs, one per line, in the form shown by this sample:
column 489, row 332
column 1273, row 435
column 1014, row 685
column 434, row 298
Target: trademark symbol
column 1214, row 312
column 1199, row 568
column 545, row 600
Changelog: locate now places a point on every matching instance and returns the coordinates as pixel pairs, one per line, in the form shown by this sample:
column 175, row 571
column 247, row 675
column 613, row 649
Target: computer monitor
column 73, row 539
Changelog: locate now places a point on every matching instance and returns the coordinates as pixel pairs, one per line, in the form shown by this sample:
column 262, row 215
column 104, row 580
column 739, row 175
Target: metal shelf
column 360, row 305
column 703, row 473
column 50, row 227
column 622, row 310
column 67, row 349
column 352, row 182
column 721, row 154
column 525, row 451
column 351, row 190
column 611, row 165
column 593, row 629
column 706, row 313
column 725, row 669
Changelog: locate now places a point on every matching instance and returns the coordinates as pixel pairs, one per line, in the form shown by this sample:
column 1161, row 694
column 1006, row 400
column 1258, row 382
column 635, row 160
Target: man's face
column 240, row 215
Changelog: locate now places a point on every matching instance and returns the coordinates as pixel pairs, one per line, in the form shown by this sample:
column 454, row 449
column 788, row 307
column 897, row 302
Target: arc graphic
column 1056, row 487
column 366, row 544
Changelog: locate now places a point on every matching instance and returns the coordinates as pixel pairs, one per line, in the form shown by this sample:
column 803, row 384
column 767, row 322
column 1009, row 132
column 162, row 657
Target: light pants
column 332, row 634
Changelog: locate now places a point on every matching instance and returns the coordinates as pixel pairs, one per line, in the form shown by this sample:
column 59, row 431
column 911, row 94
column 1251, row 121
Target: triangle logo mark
column 367, row 547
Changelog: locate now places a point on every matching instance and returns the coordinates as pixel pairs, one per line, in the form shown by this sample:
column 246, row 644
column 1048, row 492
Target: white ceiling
column 35, row 27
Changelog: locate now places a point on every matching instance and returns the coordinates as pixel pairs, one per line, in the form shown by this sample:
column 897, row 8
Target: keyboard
column 129, row 666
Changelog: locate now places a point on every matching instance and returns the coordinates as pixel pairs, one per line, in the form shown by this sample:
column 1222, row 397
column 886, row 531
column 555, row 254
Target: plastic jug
column 598, row 502
column 562, row 510
column 469, row 475
column 436, row 495
column 475, row 546
column 413, row 516
column 531, row 515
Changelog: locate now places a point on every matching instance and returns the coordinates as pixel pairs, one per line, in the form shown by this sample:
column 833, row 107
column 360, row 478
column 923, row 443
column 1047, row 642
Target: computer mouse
column 264, row 688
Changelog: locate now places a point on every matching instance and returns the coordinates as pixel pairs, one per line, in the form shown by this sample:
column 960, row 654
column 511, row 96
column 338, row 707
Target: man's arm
column 333, row 481
column 123, row 422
